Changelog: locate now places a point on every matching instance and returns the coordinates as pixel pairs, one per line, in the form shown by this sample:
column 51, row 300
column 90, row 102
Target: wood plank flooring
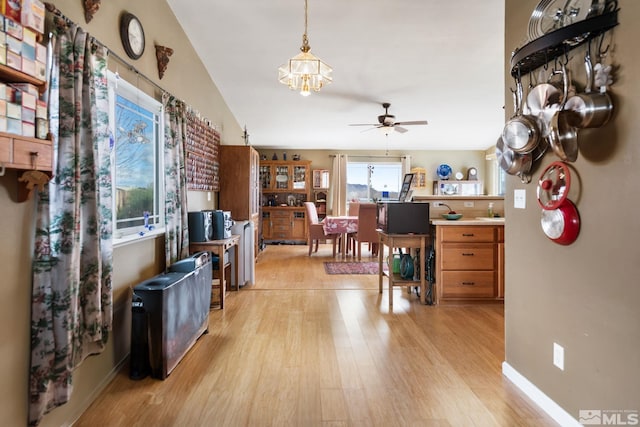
column 302, row 348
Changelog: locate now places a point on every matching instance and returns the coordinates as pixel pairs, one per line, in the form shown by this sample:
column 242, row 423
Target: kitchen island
column 469, row 260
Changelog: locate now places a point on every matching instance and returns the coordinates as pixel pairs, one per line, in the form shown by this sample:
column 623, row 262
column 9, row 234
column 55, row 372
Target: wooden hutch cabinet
column 285, row 176
column 239, row 185
column 285, row 187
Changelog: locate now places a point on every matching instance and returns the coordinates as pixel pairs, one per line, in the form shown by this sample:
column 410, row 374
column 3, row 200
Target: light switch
column 520, row 199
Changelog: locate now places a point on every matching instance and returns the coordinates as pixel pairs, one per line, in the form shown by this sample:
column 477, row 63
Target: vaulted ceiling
column 434, row 60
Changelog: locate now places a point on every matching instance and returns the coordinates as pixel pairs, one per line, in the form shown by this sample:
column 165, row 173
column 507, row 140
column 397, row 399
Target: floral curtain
column 72, row 271
column 175, row 214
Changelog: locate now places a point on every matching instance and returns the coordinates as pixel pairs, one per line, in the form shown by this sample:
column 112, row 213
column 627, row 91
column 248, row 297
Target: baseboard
column 91, row 397
column 554, row 410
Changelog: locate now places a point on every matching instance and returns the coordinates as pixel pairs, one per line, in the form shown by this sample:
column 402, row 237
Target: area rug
column 351, row 267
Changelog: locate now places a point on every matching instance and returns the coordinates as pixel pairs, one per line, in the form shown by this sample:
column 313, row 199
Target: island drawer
column 457, row 256
column 468, row 284
column 453, row 233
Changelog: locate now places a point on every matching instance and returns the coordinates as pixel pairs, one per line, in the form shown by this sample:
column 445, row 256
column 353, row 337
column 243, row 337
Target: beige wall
column 583, row 296
column 132, row 263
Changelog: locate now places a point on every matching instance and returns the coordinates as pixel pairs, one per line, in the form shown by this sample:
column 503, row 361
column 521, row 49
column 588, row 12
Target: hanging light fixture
column 304, row 72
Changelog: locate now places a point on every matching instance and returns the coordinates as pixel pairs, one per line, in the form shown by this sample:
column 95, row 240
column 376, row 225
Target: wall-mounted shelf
column 11, row 75
column 555, row 44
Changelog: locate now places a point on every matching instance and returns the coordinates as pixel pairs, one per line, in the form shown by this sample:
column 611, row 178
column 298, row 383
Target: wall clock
column 132, row 35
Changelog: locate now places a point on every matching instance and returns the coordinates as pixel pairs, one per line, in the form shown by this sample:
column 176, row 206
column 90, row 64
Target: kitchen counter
column 469, row 221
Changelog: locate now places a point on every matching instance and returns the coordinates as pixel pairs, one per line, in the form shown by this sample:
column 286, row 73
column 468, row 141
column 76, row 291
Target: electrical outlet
column 208, row 196
column 558, row 356
column 437, row 204
column 468, row 204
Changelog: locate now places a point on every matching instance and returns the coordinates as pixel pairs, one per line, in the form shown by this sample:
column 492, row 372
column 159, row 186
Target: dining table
column 342, row 225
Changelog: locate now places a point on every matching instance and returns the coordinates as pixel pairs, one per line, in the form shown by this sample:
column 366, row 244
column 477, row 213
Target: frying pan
column 561, row 225
column 593, row 109
column 563, row 135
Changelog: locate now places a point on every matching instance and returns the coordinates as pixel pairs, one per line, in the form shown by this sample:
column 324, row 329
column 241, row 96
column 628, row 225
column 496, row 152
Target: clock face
column 132, row 35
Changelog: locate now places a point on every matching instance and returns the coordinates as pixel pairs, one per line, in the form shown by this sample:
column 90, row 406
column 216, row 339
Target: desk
column 342, row 225
column 219, row 247
column 402, row 241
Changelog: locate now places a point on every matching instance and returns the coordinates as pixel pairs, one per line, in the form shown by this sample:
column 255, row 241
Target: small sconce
column 90, row 8
column 162, row 55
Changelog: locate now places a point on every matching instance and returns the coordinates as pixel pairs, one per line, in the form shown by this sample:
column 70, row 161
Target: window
column 371, row 181
column 136, row 164
column 502, row 181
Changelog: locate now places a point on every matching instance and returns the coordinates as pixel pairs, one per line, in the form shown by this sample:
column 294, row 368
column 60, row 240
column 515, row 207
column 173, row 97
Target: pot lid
column 551, row 15
column 553, row 186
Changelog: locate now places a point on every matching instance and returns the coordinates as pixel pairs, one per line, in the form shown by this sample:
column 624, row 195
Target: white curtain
column 338, row 191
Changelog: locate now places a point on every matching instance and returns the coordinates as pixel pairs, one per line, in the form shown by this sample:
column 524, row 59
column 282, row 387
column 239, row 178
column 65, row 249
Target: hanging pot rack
column 555, row 44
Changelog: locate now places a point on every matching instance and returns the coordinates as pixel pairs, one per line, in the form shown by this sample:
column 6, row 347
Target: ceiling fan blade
column 415, row 122
column 363, row 124
column 400, row 129
column 371, row 128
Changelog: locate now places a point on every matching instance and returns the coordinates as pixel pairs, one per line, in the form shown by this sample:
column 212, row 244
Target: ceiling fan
column 386, row 121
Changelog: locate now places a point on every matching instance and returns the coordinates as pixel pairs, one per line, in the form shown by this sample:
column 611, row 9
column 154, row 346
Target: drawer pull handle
column 468, row 283
column 34, row 159
column 467, row 254
column 467, row 234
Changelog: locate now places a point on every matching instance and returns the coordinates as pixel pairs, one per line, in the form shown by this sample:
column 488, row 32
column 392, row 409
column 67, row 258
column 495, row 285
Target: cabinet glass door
column 265, row 177
column 299, row 177
column 282, row 177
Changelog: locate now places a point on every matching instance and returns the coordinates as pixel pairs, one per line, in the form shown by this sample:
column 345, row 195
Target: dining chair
column 315, row 229
column 351, row 239
column 367, row 225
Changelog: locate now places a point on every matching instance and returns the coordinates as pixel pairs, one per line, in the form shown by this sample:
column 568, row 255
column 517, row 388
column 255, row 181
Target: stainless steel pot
column 543, row 101
column 593, row 109
column 522, row 132
column 513, row 163
column 563, row 135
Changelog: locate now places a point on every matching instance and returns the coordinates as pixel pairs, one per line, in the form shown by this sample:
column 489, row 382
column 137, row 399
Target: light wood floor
column 301, row 348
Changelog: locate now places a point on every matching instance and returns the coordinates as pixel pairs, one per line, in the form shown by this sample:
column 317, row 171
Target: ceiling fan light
column 385, row 130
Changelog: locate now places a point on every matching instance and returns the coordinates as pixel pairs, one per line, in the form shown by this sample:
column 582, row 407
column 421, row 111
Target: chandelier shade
column 305, row 72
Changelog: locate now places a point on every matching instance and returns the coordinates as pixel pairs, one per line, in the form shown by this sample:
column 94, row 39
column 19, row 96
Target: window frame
column 118, row 86
column 370, row 163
